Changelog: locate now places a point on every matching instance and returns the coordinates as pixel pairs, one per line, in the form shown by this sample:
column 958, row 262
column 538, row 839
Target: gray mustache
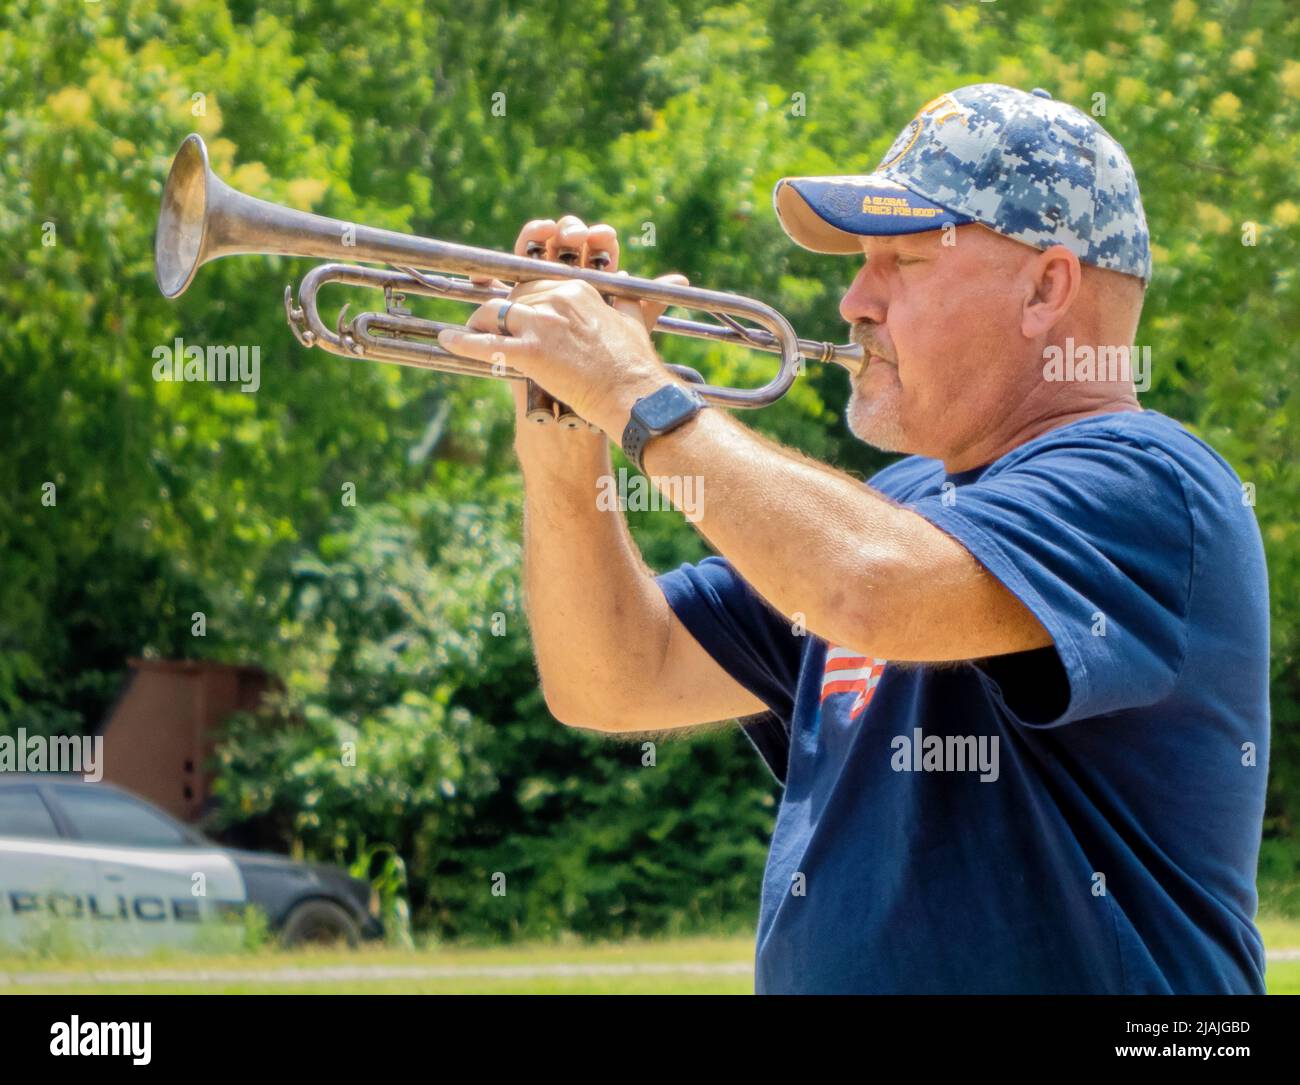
column 863, row 336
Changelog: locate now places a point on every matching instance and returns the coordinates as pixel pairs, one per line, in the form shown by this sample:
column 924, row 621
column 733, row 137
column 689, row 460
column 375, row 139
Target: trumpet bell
column 182, row 219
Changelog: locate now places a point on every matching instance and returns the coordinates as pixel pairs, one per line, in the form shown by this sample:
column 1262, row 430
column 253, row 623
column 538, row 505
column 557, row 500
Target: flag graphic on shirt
column 848, row 671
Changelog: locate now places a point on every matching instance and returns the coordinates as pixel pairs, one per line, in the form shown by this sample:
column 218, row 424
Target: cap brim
column 829, row 214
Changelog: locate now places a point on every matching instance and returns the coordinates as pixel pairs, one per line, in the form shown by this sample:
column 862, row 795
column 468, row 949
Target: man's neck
column 995, row 446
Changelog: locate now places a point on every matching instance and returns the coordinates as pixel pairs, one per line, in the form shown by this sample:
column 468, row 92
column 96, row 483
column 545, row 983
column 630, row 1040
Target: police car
column 101, row 867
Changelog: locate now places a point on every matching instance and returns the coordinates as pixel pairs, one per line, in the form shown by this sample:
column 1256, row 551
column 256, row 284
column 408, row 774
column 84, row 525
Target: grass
column 1280, row 933
column 634, row 967
column 594, row 985
column 1282, row 977
column 668, row 964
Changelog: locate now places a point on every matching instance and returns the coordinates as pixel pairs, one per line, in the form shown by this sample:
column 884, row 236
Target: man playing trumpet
column 1016, row 687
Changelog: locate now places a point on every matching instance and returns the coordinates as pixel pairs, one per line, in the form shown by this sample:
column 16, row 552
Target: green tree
column 671, row 119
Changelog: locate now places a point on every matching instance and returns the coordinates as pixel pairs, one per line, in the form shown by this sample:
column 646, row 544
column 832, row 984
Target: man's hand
column 593, row 356
column 566, row 338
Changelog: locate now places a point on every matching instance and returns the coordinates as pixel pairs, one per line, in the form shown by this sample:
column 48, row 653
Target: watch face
column 668, row 405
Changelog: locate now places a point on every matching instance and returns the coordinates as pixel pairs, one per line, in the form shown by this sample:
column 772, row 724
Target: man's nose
column 864, row 299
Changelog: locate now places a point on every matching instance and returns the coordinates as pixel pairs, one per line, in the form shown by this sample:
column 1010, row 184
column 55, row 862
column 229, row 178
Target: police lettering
column 148, row 909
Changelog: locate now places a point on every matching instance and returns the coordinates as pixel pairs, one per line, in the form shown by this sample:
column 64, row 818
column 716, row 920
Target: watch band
column 637, row 433
column 635, row 438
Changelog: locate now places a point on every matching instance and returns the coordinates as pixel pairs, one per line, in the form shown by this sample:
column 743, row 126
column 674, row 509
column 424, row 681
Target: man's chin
column 876, row 424
column 882, row 441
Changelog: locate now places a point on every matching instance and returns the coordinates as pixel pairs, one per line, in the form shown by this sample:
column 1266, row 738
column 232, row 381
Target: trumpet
column 202, row 219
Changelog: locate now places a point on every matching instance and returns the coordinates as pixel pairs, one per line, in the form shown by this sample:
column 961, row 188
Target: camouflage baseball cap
column 1022, row 164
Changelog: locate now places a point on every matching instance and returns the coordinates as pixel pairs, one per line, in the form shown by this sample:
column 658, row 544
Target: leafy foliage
column 673, row 114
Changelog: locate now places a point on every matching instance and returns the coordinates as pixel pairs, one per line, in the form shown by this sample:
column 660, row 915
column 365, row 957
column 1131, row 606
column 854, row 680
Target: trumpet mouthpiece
column 850, row 356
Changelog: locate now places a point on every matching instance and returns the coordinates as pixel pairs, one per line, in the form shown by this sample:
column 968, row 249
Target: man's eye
column 907, row 261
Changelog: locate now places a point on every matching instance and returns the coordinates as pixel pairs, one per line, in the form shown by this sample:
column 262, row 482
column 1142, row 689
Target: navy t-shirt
column 1082, row 818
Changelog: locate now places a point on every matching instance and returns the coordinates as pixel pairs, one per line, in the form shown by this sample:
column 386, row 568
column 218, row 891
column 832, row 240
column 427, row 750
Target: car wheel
column 319, row 923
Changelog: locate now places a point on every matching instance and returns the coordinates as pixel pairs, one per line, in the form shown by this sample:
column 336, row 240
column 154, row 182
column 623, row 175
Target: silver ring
column 501, row 318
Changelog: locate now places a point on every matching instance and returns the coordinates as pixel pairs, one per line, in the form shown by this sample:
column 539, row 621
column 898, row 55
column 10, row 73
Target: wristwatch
column 658, row 413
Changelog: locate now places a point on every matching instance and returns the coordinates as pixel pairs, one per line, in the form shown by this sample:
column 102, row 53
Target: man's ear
column 1056, row 277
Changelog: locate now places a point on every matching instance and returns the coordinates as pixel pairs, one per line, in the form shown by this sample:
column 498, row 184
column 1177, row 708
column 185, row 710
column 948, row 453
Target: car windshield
column 24, row 814
column 101, row 816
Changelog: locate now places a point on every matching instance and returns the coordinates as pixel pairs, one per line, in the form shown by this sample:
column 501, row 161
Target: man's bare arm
column 862, row 571
column 611, row 654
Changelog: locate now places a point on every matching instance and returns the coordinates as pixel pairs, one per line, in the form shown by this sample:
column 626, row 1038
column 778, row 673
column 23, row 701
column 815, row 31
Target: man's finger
column 534, row 288
column 648, row 312
column 653, row 310
column 627, row 306
column 493, row 349
column 566, row 243
column 488, row 318
column 539, row 230
column 602, row 239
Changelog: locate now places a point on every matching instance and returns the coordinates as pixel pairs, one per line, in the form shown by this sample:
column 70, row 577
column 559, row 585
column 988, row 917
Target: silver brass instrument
column 202, row 218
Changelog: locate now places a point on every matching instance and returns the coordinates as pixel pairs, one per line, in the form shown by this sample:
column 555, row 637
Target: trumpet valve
column 540, row 407
column 395, row 303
